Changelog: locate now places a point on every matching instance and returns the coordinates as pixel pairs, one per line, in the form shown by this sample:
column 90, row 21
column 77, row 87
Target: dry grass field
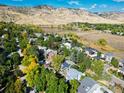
column 114, row 41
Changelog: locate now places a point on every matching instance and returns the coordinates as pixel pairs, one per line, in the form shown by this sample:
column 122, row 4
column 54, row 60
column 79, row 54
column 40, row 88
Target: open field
column 116, row 42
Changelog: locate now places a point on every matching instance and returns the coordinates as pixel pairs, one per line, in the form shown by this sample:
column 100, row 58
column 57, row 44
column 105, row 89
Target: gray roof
column 122, row 61
column 122, row 69
column 109, row 54
column 73, row 74
column 90, row 49
column 86, row 84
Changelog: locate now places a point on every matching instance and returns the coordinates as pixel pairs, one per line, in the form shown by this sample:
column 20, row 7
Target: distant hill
column 48, row 15
column 118, row 16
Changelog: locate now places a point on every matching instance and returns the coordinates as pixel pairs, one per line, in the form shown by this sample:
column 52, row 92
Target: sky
column 90, row 5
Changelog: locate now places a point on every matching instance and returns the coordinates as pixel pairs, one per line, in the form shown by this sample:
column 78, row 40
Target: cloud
column 73, row 2
column 82, row 8
column 118, row 0
column 93, row 6
column 122, row 9
column 103, row 6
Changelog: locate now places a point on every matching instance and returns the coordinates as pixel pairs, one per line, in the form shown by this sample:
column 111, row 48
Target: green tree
column 16, row 58
column 102, row 42
column 62, row 87
column 74, row 86
column 52, row 83
column 56, row 62
column 32, row 50
column 18, row 86
column 97, row 66
column 115, row 62
column 23, row 43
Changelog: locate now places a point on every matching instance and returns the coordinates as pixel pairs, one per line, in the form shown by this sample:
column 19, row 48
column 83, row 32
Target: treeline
column 108, row 28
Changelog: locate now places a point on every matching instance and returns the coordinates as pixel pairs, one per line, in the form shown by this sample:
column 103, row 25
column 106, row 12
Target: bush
column 115, row 62
column 102, row 42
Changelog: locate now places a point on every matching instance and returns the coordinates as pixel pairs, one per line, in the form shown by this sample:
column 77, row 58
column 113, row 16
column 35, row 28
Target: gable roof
column 73, row 74
column 91, row 49
column 86, row 84
column 109, row 54
column 65, row 65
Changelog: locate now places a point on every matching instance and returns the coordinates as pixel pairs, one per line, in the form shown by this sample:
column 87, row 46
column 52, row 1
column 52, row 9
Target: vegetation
column 108, row 28
column 102, row 42
column 115, row 62
column 97, row 67
column 32, row 66
column 57, row 61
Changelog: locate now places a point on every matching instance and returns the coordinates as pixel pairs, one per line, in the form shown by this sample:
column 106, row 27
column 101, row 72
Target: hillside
column 47, row 15
column 118, row 16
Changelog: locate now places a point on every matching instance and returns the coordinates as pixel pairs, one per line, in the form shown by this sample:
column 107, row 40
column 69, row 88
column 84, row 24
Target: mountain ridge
column 49, row 15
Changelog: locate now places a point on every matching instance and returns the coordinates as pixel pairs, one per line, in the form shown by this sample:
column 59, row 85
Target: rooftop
column 86, row 84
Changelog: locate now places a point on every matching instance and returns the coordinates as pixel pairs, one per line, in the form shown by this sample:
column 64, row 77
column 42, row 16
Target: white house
column 38, row 34
column 88, row 85
column 20, row 52
column 121, row 63
column 91, row 52
column 72, row 74
column 108, row 57
column 121, row 70
column 67, row 45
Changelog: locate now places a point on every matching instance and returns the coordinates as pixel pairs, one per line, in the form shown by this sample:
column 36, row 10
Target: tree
column 16, row 58
column 10, row 46
column 115, row 62
column 52, row 83
column 28, row 59
column 74, row 86
column 56, row 61
column 97, row 66
column 102, row 42
column 32, row 50
column 10, row 88
column 19, row 88
column 2, row 70
column 2, row 58
column 62, row 87
column 23, row 43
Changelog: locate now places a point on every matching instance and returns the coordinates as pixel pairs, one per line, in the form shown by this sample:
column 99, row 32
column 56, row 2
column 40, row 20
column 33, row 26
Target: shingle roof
column 109, row 54
column 90, row 49
column 65, row 65
column 73, row 74
column 122, row 61
column 122, row 69
column 86, row 84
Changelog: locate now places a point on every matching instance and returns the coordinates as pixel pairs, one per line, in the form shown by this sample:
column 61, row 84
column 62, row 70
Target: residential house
column 71, row 74
column 49, row 55
column 23, row 78
column 67, row 64
column 107, row 57
column 37, row 34
column 121, row 63
column 20, row 52
column 121, row 70
column 21, row 67
column 67, row 45
column 31, row 40
column 88, row 85
column 91, row 52
column 79, row 49
column 9, row 56
column 42, row 48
